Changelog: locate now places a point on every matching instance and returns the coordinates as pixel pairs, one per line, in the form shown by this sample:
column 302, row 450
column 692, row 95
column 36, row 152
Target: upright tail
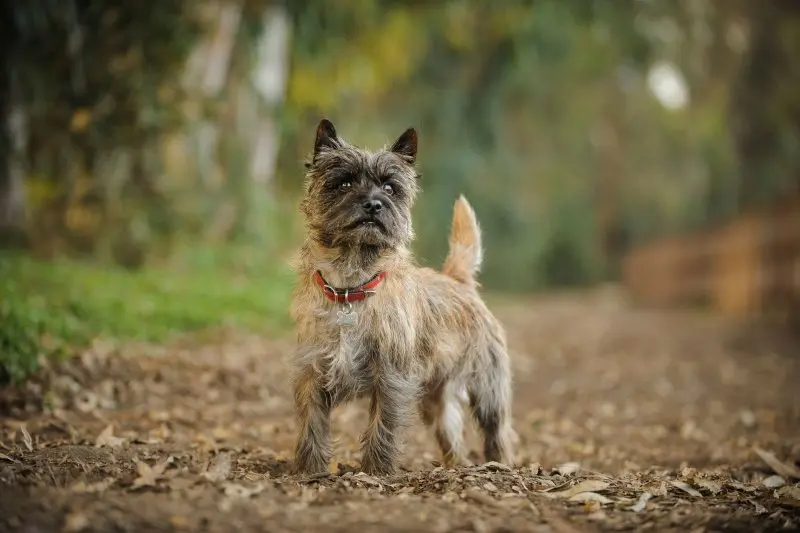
column 464, row 259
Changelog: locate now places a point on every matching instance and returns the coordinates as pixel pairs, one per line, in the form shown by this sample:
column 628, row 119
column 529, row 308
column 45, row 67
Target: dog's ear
column 326, row 136
column 406, row 145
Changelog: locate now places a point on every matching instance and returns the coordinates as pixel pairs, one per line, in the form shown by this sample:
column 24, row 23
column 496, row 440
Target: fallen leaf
column 558, row 524
column 26, row 438
column 494, row 465
column 480, row 497
column 75, row 521
column 589, row 485
column 790, row 494
column 685, row 487
column 774, row 482
column 658, row 490
column 759, row 509
column 149, row 476
column 741, row 486
column 233, row 490
column 479, row 526
column 589, row 497
column 551, row 486
column 748, row 418
column 449, row 497
column 369, row 480
column 220, row 469
column 711, row 486
column 181, row 483
column 86, row 402
column 640, row 504
column 226, row 504
column 779, row 467
column 567, row 468
column 491, row 487
column 597, row 516
column 222, row 434
column 107, row 438
column 179, row 522
column 89, row 488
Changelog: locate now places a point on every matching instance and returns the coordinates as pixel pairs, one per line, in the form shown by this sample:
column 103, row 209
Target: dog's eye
column 388, row 189
column 345, row 185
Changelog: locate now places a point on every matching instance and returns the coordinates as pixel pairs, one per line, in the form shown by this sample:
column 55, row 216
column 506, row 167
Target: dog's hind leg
column 441, row 409
column 490, row 400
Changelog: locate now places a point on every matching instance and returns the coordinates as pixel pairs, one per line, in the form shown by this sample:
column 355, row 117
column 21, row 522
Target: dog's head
column 356, row 198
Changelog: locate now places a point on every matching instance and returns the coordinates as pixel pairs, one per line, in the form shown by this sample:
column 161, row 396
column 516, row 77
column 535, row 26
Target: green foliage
column 566, row 258
column 540, row 112
column 24, row 326
column 49, row 308
column 536, row 109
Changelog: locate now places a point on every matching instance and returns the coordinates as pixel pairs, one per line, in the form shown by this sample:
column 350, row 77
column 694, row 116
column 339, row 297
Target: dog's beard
column 384, row 230
column 368, row 229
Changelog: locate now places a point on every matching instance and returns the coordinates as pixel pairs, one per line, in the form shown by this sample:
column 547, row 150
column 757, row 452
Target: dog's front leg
column 392, row 397
column 313, row 406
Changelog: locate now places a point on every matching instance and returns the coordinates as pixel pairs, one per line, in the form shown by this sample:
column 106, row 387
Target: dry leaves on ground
column 210, row 420
column 27, row 440
column 685, row 487
column 107, row 438
column 641, row 503
column 779, row 467
column 220, row 468
column 584, row 486
column 148, row 476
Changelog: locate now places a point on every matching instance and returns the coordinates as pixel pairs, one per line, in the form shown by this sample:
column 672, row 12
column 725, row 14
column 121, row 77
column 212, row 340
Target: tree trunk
column 270, row 78
column 766, row 105
column 12, row 151
column 208, row 65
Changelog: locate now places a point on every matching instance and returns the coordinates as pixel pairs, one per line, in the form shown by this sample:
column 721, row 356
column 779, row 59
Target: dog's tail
column 464, row 259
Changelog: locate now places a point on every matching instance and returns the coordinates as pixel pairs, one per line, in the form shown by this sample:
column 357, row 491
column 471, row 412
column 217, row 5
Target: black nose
column 372, row 206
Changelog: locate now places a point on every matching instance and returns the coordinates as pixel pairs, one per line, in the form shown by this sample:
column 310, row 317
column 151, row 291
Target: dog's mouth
column 367, row 223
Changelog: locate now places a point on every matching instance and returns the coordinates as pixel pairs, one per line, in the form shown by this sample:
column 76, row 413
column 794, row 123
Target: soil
column 627, row 419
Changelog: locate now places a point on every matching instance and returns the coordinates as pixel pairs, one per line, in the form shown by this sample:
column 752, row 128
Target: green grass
column 53, row 307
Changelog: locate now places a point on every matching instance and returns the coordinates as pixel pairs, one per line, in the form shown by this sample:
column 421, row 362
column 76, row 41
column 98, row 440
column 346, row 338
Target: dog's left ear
column 406, row 145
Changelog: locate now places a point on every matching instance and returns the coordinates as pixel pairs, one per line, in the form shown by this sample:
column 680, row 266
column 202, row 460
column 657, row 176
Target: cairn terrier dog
column 371, row 323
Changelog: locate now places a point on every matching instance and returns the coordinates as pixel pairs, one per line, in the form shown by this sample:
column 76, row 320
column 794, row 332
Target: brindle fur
column 424, row 340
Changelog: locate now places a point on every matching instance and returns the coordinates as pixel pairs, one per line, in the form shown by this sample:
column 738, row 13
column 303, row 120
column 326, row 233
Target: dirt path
column 196, row 437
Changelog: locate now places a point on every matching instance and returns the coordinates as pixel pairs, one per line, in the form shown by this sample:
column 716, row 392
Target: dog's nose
column 372, row 206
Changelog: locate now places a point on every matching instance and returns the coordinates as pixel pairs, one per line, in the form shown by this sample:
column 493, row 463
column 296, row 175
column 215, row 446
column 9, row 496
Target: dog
column 371, row 323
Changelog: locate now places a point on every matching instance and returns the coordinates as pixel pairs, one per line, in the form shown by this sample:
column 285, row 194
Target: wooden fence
column 748, row 266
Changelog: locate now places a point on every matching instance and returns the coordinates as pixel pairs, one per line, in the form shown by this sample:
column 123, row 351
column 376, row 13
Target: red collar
column 356, row 294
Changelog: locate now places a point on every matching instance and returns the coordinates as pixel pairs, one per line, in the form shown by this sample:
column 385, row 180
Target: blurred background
column 151, row 159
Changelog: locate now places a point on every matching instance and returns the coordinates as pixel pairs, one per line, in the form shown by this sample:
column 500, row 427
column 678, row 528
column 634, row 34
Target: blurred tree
column 12, row 192
column 766, row 104
column 89, row 77
column 146, row 124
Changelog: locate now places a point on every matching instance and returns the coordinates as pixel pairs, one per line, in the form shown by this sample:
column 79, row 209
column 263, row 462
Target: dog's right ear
column 326, row 136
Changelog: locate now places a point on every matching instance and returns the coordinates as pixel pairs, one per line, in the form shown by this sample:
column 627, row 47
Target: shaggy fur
column 424, row 340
